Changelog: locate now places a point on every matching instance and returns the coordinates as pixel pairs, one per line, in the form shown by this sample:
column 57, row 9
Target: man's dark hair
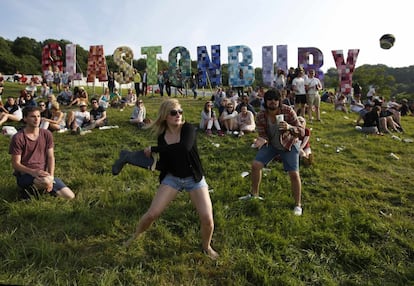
column 29, row 109
column 271, row 94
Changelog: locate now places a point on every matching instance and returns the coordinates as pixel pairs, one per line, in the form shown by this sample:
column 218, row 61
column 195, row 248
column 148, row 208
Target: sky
column 324, row 24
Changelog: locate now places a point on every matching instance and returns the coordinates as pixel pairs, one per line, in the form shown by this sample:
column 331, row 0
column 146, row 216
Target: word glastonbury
column 241, row 73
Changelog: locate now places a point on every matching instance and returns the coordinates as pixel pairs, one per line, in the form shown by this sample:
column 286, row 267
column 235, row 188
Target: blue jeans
column 26, row 180
column 290, row 158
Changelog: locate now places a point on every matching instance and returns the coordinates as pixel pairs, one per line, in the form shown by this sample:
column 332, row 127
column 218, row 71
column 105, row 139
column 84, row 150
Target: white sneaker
column 297, row 211
column 250, row 197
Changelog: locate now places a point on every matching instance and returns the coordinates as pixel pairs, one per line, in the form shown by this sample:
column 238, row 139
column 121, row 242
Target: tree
column 162, row 65
column 375, row 75
column 26, row 46
column 29, row 64
column 8, row 61
column 331, row 79
column 140, row 64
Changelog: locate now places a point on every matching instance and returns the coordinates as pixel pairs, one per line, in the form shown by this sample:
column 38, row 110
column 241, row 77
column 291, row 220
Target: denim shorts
column 26, row 180
column 290, row 158
column 188, row 183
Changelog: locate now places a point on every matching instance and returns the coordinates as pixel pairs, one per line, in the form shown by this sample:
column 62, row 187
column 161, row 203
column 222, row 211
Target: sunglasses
column 42, row 105
column 175, row 112
column 140, row 102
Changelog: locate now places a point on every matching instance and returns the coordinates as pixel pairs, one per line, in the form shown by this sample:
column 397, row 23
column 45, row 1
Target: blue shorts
column 26, row 180
column 290, row 158
column 188, row 183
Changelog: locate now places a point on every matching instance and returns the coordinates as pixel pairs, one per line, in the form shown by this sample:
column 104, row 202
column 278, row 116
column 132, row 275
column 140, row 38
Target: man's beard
column 272, row 106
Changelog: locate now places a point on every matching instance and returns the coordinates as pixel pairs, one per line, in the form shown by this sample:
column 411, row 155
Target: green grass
column 357, row 227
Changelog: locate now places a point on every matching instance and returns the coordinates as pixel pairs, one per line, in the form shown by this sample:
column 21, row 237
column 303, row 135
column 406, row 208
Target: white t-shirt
column 81, row 117
column 312, row 84
column 299, row 85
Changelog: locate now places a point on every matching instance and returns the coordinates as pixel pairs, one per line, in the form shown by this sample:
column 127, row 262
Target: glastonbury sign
column 241, row 72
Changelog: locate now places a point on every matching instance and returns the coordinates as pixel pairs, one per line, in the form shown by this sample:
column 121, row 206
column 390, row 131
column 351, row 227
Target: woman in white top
column 10, row 111
column 105, row 99
column 131, row 98
column 209, row 118
column 138, row 114
column 56, row 122
column 228, row 118
column 245, row 120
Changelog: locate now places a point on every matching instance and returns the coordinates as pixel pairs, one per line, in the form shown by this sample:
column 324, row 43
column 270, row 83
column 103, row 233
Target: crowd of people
column 277, row 116
column 375, row 114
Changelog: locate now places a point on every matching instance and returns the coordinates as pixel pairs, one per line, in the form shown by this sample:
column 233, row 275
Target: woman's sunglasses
column 175, row 112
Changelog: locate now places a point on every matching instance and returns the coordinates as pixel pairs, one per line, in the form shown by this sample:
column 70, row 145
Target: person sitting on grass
column 356, row 103
column 305, row 152
column 21, row 100
column 32, row 89
column 57, row 120
column 244, row 101
column 65, row 96
column 80, row 96
column 139, row 114
column 51, row 98
column 361, row 114
column 33, row 159
column 340, row 103
column 245, row 120
column 44, row 90
column 130, row 98
column 209, row 119
column 26, row 100
column 116, row 100
column 98, row 115
column 10, row 111
column 105, row 98
column 78, row 119
column 387, row 122
column 371, row 121
column 228, row 118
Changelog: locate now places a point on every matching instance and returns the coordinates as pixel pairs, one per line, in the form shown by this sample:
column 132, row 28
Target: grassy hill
column 357, row 227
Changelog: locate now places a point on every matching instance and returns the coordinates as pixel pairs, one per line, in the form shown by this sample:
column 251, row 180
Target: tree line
column 24, row 54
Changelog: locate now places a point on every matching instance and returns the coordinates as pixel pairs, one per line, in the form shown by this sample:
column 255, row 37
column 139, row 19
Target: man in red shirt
column 33, row 159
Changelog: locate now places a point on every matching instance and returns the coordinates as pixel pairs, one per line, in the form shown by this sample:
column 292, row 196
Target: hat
column 83, row 103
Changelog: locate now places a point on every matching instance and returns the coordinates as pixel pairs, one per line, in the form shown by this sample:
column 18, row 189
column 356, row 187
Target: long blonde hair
column 160, row 123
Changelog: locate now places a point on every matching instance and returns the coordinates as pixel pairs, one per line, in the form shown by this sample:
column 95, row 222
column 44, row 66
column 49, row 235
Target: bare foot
column 210, row 252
